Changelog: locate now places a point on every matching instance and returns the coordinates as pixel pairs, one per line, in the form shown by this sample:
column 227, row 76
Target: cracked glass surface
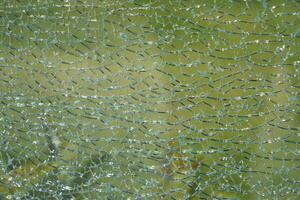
column 118, row 99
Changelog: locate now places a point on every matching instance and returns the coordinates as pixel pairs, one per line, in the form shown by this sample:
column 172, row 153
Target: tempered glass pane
column 115, row 99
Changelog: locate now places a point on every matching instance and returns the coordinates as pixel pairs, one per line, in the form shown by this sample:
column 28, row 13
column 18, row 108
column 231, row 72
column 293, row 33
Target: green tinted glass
column 167, row 99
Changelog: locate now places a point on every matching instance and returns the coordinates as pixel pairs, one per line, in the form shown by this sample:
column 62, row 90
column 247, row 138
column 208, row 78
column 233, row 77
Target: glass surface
column 118, row 99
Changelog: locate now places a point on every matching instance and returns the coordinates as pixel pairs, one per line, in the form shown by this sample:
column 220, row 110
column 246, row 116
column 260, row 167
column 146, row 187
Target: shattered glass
column 115, row 99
